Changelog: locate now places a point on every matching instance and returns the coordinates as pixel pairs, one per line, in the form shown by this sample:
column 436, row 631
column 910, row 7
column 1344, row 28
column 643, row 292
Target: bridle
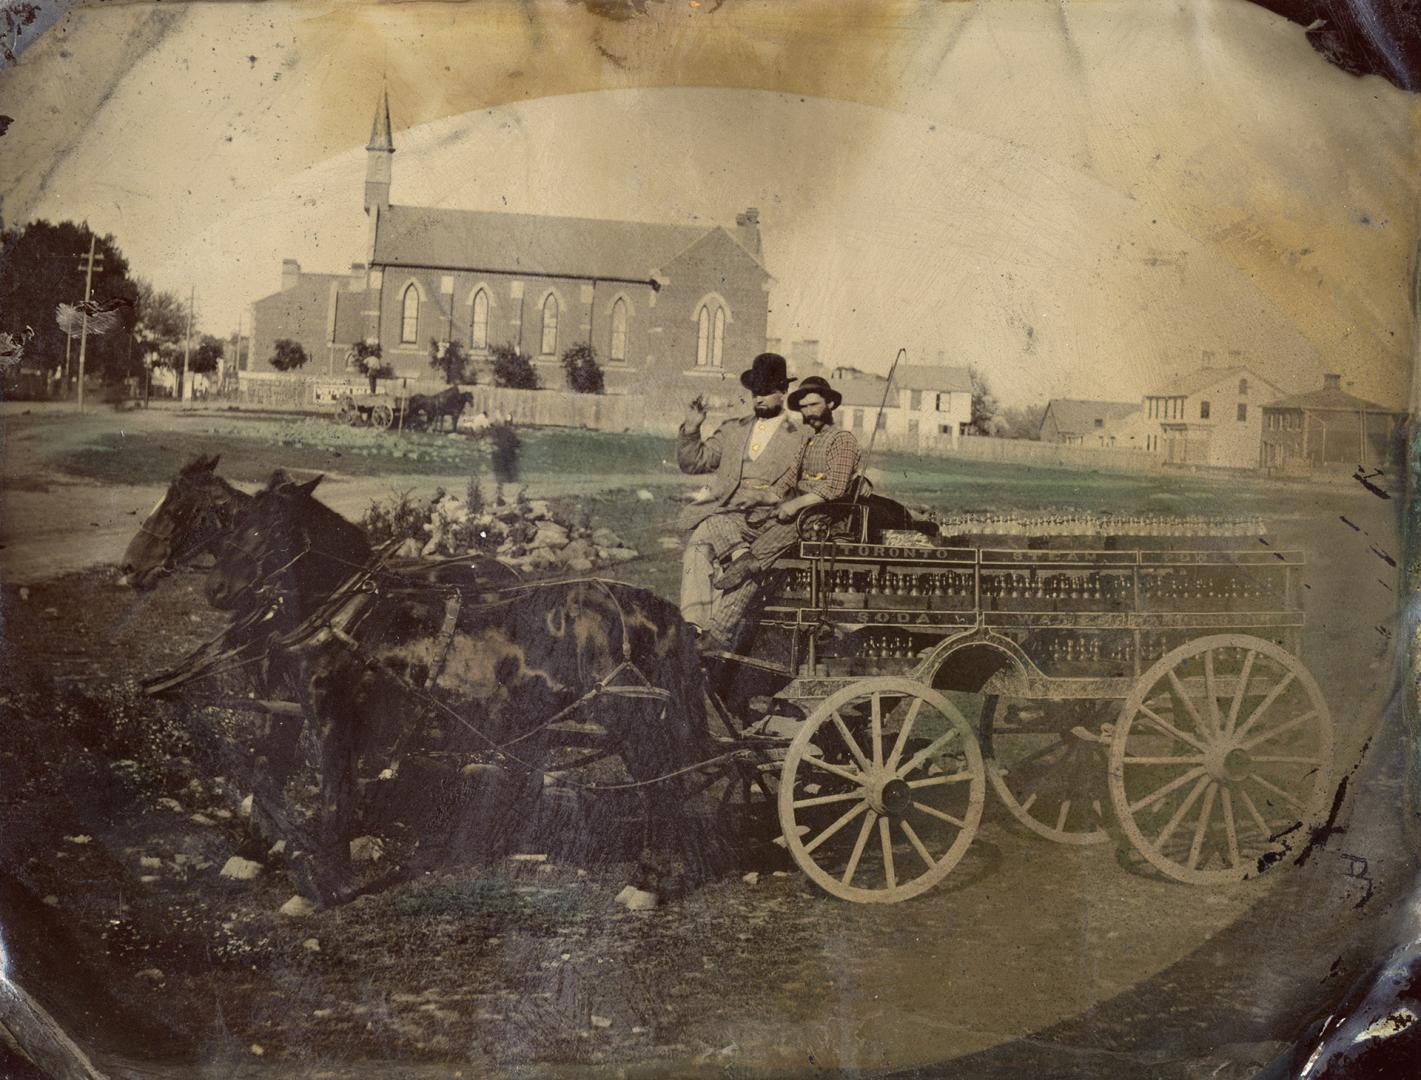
column 210, row 520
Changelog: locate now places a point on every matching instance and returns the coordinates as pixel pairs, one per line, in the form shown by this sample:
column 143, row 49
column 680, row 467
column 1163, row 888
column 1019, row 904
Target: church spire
column 380, row 156
column 380, row 138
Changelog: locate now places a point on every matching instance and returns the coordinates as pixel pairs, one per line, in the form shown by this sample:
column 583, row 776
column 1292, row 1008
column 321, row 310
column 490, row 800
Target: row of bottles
column 1063, row 523
column 887, row 646
column 1064, row 588
column 1078, row 648
column 898, row 583
column 1192, row 589
column 1207, row 589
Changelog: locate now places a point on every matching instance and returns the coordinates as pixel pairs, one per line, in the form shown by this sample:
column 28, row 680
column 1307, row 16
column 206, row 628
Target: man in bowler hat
column 750, row 457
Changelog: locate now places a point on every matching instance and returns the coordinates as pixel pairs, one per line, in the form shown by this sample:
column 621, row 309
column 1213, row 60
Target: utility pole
column 88, row 267
column 187, row 346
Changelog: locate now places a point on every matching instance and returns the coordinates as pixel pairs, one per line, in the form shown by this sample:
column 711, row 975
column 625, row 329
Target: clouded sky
column 1081, row 199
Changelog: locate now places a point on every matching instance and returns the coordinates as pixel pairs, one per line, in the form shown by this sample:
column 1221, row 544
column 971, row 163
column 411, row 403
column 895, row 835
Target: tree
column 513, row 368
column 160, row 327
column 985, row 410
column 365, row 357
column 40, row 268
column 584, row 374
column 1023, row 421
column 450, row 360
column 208, row 355
column 287, row 355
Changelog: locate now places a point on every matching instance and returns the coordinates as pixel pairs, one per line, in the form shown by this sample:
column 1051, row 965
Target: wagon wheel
column 347, row 413
column 1221, row 759
column 1046, row 761
column 382, row 416
column 910, row 777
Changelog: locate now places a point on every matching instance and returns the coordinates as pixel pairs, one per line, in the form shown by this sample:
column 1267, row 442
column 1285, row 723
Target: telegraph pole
column 88, row 267
column 187, row 346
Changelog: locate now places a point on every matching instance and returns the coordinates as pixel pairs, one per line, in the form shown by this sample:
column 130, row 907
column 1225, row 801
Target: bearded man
column 750, row 457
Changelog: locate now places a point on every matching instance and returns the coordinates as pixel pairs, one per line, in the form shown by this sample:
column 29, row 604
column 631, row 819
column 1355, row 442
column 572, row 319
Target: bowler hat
column 766, row 374
column 815, row 385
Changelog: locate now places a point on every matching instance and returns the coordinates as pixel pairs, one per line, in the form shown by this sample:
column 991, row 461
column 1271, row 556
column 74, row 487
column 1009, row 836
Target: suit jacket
column 723, row 453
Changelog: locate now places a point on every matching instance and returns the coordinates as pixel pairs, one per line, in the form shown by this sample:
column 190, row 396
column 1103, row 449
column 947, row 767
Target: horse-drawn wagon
column 381, row 411
column 1123, row 689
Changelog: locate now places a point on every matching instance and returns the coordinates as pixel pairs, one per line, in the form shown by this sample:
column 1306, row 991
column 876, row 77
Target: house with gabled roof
column 931, row 403
column 1211, row 416
column 1077, row 422
column 672, row 310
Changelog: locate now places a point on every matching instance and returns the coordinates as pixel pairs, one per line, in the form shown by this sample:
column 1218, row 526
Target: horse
column 427, row 409
column 504, row 673
column 192, row 519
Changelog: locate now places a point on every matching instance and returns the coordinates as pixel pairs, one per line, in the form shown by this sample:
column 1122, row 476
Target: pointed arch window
column 703, row 325
column 409, row 316
column 618, row 351
column 717, row 338
column 478, row 327
column 550, row 326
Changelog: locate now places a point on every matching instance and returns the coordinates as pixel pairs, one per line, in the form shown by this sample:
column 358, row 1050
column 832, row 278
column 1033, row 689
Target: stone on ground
column 239, row 869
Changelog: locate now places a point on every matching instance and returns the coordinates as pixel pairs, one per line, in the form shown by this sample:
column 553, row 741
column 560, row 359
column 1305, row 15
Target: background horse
column 495, row 672
column 427, row 409
column 193, row 518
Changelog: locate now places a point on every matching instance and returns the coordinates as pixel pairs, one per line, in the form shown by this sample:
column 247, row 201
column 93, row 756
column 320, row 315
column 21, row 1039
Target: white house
column 926, row 401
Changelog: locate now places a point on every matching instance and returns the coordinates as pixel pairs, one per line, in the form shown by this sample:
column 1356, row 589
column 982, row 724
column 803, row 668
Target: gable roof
column 1205, row 377
column 309, row 289
column 940, row 379
column 1077, row 417
column 532, row 243
column 1329, row 398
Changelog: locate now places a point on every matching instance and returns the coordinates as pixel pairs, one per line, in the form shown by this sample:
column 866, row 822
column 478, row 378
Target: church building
column 672, row 310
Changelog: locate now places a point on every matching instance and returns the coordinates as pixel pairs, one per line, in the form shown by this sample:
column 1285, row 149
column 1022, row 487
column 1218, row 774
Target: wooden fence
column 631, row 412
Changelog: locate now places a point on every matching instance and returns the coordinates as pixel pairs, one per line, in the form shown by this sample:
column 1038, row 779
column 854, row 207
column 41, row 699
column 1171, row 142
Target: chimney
column 357, row 276
column 290, row 274
column 804, row 354
column 749, row 224
column 1332, row 382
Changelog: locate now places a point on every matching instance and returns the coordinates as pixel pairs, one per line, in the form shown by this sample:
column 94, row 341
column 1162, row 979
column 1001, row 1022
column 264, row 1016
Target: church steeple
column 380, row 160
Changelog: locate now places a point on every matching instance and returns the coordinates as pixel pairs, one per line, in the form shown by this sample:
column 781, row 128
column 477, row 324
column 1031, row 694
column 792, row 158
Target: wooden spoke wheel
column 348, row 413
column 1047, row 763
column 881, row 791
column 1221, row 759
column 382, row 416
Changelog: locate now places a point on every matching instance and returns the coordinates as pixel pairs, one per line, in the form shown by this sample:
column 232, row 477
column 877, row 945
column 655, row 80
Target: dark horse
column 504, row 671
column 431, row 409
column 192, row 519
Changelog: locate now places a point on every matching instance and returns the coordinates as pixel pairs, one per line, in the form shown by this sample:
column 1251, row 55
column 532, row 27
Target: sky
column 1082, row 200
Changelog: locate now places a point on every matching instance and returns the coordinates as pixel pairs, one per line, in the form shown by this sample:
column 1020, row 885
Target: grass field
column 252, row 447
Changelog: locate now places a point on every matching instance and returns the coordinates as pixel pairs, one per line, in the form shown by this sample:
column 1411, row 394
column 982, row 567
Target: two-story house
column 928, row 402
column 1212, row 416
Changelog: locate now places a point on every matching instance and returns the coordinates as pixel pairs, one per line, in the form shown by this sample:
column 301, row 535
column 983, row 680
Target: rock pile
column 537, row 537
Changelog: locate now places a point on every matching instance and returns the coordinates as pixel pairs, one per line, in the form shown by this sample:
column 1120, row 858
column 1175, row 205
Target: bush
column 584, row 374
column 450, row 360
column 366, row 358
column 288, row 355
column 402, row 519
column 512, row 368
